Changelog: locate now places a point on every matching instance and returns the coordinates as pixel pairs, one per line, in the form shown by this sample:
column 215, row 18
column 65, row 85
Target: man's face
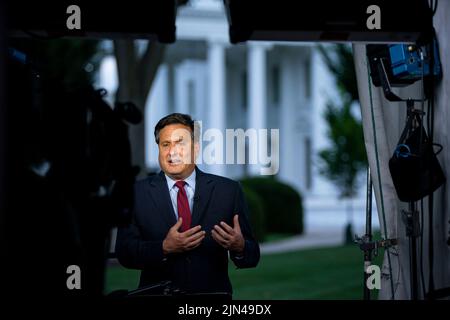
column 177, row 152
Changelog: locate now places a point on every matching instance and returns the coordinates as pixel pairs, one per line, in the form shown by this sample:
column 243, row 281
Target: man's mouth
column 175, row 162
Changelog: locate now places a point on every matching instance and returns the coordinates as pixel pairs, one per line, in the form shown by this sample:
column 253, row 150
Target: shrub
column 282, row 204
column 256, row 213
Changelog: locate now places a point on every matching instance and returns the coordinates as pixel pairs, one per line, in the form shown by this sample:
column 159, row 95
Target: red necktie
column 183, row 206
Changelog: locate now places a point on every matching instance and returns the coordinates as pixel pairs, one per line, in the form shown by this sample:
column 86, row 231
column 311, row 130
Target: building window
column 244, row 89
column 308, row 160
column 276, row 85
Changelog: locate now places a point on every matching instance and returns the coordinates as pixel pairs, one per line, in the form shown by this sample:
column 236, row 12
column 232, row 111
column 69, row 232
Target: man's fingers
column 195, row 243
column 226, row 227
column 193, row 246
column 177, row 225
column 236, row 222
column 191, row 231
column 196, row 236
column 223, row 242
column 222, row 232
column 217, row 236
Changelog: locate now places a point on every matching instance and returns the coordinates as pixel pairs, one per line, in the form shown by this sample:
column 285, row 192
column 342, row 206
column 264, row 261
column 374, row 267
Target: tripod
column 366, row 244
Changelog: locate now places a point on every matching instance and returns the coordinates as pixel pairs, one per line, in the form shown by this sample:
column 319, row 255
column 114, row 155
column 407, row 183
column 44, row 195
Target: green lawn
column 326, row 273
column 272, row 237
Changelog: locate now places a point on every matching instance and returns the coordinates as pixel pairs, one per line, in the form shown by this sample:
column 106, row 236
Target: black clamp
column 366, row 245
column 410, row 218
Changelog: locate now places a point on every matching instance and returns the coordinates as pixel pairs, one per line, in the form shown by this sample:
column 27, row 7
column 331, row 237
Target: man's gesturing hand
column 228, row 237
column 182, row 241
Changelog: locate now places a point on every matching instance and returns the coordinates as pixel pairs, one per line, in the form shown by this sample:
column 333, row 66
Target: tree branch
column 126, row 66
column 148, row 66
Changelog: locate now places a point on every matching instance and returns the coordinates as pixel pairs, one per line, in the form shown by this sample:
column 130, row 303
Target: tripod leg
column 412, row 234
column 368, row 236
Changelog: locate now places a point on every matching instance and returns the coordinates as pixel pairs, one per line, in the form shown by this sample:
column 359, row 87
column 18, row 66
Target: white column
column 257, row 93
column 182, row 75
column 292, row 159
column 170, row 87
column 217, row 112
column 157, row 108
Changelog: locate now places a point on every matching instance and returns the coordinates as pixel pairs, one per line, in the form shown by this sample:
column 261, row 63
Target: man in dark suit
column 185, row 222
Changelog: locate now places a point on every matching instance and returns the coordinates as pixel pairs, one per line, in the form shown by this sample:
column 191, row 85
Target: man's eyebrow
column 177, row 138
column 180, row 138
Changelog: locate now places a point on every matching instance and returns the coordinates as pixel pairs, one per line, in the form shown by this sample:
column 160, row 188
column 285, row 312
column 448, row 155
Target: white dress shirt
column 189, row 187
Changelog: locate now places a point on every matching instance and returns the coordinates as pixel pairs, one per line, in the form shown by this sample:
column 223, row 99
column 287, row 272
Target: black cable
column 430, row 197
column 411, row 276
column 430, row 244
column 422, row 276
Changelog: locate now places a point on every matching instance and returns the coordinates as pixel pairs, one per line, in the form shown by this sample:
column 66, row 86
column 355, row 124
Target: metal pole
column 368, row 235
column 413, row 242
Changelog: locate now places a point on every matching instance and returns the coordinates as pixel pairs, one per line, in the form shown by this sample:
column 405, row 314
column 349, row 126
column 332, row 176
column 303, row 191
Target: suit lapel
column 161, row 197
column 204, row 187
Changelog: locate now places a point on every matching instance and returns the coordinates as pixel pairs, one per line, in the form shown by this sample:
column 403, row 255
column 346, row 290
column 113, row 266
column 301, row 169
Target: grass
column 326, row 273
column 118, row 278
column 272, row 237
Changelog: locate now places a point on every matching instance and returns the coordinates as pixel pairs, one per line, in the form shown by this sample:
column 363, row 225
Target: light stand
column 368, row 235
column 369, row 247
column 410, row 216
column 415, row 173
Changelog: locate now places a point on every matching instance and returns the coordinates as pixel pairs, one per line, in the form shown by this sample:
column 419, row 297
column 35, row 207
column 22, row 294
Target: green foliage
column 257, row 213
column 339, row 60
column 282, row 205
column 346, row 156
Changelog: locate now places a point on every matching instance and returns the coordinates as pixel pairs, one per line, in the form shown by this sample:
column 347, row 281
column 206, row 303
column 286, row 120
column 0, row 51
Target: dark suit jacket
column 203, row 269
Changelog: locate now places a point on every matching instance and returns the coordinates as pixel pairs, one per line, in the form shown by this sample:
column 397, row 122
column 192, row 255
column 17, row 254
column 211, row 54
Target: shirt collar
column 190, row 181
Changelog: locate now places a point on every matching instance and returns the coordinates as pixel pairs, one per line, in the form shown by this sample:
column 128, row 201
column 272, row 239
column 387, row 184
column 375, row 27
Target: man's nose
column 173, row 150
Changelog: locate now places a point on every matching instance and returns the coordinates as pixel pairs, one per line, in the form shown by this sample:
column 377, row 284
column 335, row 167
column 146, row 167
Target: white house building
column 258, row 85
